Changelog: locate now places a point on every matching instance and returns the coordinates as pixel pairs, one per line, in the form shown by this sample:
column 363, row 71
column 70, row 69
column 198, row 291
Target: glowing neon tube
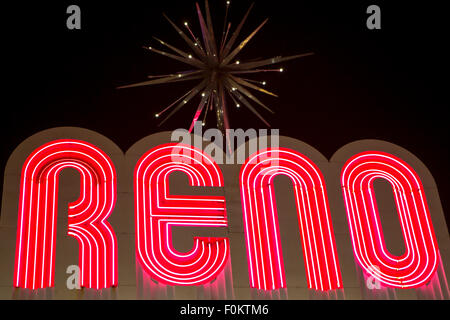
column 156, row 211
column 265, row 259
column 36, row 230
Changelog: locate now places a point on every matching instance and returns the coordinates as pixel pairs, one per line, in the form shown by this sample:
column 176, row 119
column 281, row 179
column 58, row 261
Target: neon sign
column 416, row 266
column 261, row 222
column 157, row 211
column 36, row 234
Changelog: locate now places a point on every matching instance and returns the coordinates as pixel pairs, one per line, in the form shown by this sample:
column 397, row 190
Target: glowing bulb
column 184, row 101
column 281, row 69
column 238, row 105
column 150, row 48
column 179, row 76
column 234, row 89
column 237, row 62
column 203, row 94
column 156, row 115
column 190, row 56
column 196, row 44
column 186, row 24
column 203, row 124
column 228, row 3
column 264, row 83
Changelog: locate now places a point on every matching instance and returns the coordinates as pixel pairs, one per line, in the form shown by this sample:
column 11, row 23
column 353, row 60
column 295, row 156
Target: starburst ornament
column 216, row 67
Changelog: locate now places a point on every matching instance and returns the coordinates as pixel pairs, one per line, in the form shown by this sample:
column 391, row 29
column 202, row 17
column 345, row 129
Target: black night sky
column 389, row 84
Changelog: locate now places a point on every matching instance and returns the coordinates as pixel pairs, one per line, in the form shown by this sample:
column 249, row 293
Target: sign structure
column 80, row 219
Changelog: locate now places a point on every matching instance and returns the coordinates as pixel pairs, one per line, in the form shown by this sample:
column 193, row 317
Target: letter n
column 264, row 252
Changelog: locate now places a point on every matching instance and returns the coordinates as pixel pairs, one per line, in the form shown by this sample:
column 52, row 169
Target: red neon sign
column 36, row 231
column 417, row 265
column 261, row 220
column 157, row 211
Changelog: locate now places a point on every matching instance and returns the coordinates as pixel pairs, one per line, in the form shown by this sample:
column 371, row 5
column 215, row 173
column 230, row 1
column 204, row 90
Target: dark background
column 389, row 84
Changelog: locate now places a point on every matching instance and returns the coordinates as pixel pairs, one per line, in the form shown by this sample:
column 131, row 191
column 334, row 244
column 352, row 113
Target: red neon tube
column 417, row 265
column 157, row 211
column 265, row 259
column 36, row 230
